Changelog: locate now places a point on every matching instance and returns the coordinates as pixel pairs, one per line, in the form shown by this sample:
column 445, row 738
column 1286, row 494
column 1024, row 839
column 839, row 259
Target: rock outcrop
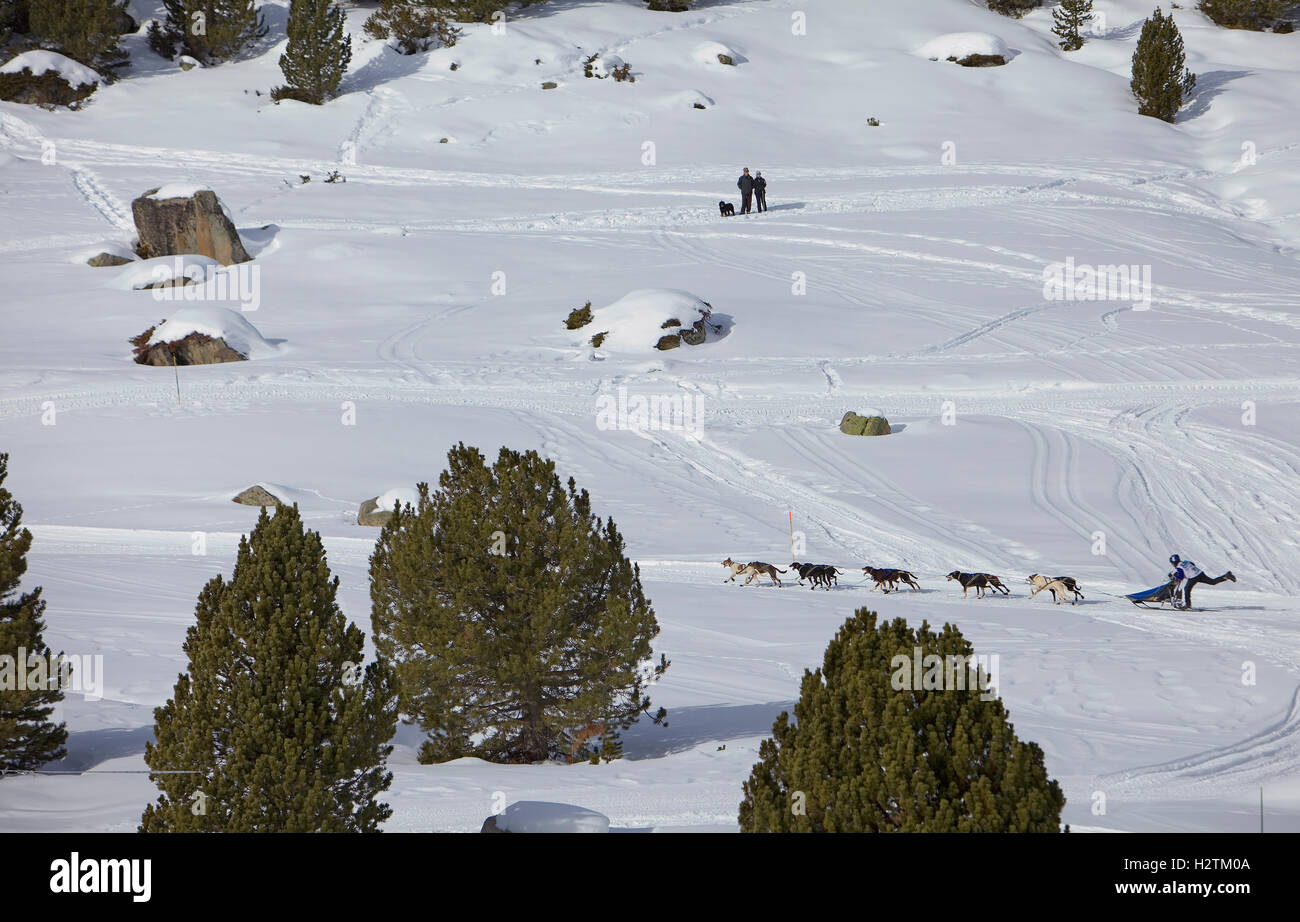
column 171, row 225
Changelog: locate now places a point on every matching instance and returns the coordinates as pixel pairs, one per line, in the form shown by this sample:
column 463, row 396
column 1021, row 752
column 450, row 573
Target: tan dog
column 753, row 570
column 1060, row 587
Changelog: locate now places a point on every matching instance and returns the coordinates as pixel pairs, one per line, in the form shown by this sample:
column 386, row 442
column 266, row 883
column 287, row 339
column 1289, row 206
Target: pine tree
column 1244, row 14
column 274, row 727
column 415, row 25
column 1160, row 81
column 318, row 52
column 1013, row 8
column 28, row 738
column 1068, row 19
column 84, row 30
column 874, row 750
column 511, row 616
column 13, row 18
column 213, row 30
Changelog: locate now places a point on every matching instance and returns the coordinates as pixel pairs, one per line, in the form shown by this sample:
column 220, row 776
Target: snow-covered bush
column 414, row 25
column 46, row 78
column 1245, row 14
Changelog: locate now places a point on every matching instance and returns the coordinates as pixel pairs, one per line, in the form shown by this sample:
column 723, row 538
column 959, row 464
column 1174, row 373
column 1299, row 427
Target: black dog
column 819, row 574
column 888, row 579
column 977, row 581
column 728, row 210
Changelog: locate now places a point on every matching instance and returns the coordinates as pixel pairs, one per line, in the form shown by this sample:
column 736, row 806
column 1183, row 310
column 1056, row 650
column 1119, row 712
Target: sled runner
column 1156, row 597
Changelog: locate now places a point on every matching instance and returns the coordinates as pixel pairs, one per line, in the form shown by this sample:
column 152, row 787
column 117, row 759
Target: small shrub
column 726, row 59
column 49, row 89
column 549, row 85
column 671, row 341
column 589, row 67
column 599, row 338
column 334, row 176
column 623, row 74
column 700, row 105
column 1255, row 15
column 1014, row 8
column 161, row 41
column 980, row 60
column 669, row 6
column 670, row 322
column 578, row 317
column 413, row 26
column 873, row 122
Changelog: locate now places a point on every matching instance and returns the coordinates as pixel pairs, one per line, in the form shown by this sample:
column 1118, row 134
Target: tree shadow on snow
column 88, row 748
column 384, row 67
column 1208, row 86
column 689, row 727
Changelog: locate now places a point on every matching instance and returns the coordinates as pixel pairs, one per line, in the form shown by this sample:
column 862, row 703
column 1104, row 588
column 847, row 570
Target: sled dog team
column 888, row 579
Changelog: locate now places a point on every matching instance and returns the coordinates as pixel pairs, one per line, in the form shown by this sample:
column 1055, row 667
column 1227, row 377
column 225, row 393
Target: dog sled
column 1157, row 596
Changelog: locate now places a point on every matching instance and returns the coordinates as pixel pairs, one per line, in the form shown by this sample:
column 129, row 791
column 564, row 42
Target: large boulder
column 175, row 220
column 377, row 510
column 853, row 424
column 533, row 816
column 200, row 335
column 258, row 495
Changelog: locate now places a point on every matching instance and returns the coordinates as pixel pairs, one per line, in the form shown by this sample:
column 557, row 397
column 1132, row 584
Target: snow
column 403, row 495
column 635, row 322
column 217, row 322
column 145, row 272
column 428, row 294
column 179, row 190
column 707, row 53
column 961, row 44
column 41, row 62
column 539, row 816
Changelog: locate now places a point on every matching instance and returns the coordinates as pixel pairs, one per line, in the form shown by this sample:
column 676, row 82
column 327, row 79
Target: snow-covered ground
column 900, row 271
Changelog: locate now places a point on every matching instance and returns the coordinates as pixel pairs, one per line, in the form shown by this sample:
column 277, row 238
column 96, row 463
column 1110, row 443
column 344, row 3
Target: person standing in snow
column 746, row 186
column 1187, row 574
column 760, row 191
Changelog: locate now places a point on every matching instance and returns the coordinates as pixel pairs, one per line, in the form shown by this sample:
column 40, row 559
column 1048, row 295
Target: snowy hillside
column 902, row 270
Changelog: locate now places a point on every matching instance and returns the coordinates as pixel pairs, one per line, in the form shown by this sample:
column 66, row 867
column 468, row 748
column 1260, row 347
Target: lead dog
column 892, row 577
column 977, row 581
column 1063, row 584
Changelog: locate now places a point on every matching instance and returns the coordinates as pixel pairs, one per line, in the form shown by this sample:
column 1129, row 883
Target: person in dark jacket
column 746, row 186
column 760, row 191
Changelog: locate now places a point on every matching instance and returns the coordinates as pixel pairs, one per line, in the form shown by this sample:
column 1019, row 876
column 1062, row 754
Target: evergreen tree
column 213, row 30
column 870, row 751
column 1160, row 81
column 274, row 727
column 511, row 616
column 1244, row 14
column 414, row 25
column 669, row 6
column 1014, row 8
column 318, row 52
column 13, row 18
column 84, row 30
column 1068, row 19
column 28, row 738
